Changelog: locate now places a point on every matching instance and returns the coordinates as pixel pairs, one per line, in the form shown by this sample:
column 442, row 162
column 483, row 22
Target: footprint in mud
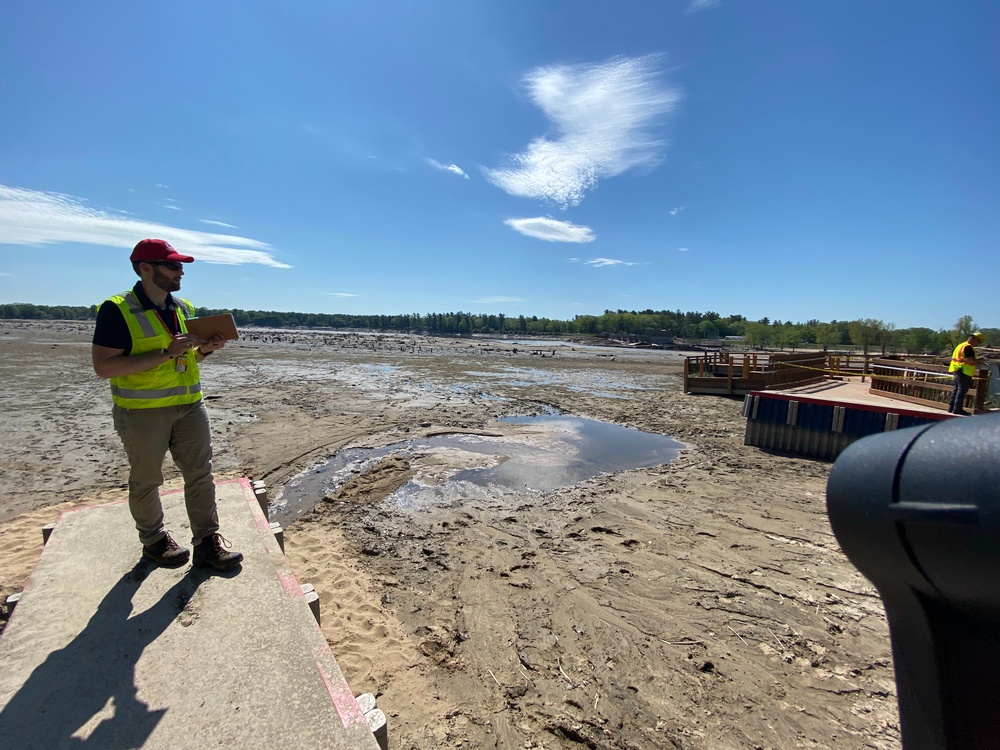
column 189, row 613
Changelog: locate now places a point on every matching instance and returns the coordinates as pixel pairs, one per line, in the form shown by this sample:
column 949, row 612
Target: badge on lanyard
column 181, row 363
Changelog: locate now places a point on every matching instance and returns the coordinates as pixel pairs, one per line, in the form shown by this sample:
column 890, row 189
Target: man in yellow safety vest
column 963, row 365
column 141, row 344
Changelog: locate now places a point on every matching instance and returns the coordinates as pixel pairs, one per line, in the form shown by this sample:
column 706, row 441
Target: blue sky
column 787, row 159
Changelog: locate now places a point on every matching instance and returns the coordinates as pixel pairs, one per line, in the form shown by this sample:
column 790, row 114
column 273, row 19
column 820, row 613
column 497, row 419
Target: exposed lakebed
column 527, row 455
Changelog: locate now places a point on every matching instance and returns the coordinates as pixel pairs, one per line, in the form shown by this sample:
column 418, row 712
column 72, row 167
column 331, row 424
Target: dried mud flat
column 700, row 604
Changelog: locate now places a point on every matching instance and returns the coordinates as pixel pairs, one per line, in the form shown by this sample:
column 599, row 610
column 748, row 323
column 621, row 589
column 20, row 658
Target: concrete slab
column 107, row 651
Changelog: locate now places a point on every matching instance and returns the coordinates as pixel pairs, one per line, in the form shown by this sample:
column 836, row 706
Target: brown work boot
column 166, row 552
column 214, row 551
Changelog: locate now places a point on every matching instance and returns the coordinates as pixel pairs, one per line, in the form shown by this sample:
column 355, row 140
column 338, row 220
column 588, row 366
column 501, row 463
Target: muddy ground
column 699, row 604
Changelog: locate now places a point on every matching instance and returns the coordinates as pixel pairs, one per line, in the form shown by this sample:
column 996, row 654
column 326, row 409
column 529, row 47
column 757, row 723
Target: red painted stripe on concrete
column 262, row 524
column 343, row 700
column 289, row 583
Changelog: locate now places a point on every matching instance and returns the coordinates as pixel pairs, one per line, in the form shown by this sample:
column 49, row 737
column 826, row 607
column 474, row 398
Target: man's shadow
column 76, row 682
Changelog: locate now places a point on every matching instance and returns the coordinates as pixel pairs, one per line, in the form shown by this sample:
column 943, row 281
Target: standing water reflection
column 559, row 451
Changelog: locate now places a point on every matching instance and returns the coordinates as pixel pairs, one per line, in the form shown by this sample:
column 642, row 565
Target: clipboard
column 207, row 327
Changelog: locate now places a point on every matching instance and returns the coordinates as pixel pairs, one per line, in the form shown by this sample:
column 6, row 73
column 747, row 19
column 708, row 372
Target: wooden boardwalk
column 923, row 383
column 853, row 392
column 107, row 651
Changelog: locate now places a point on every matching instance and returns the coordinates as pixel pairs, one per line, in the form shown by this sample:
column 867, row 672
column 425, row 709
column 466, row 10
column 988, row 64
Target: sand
column 699, row 604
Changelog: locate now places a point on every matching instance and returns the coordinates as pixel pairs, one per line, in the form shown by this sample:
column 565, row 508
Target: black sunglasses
column 173, row 265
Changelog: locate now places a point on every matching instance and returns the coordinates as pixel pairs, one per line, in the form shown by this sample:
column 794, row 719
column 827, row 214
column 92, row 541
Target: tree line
column 660, row 326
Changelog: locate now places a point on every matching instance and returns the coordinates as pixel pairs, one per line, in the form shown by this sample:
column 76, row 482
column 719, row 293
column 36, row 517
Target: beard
column 164, row 282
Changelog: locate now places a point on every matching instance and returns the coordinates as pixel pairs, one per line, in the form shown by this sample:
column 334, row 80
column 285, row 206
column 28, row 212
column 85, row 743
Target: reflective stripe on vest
column 135, row 308
column 180, row 390
column 958, row 364
column 161, row 385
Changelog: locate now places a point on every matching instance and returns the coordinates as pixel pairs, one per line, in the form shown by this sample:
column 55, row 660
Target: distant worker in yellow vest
column 142, row 346
column 963, row 365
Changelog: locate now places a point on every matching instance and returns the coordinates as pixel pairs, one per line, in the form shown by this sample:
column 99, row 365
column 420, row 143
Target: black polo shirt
column 111, row 329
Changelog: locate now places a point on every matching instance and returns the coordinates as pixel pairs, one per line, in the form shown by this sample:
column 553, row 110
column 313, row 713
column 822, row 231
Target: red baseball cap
column 157, row 250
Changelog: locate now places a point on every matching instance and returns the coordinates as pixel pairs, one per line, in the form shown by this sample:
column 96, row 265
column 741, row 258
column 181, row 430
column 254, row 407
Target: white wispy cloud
column 553, row 230
column 603, row 116
column 33, row 217
column 172, row 208
column 498, row 300
column 676, row 210
column 697, row 5
column 682, row 249
column 453, row 168
column 601, row 262
column 339, row 294
column 217, row 223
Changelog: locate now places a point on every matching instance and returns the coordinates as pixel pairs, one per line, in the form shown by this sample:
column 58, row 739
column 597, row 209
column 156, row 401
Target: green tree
column 788, row 335
column 756, row 335
column 708, row 329
column 827, row 335
column 887, row 336
column 964, row 327
column 864, row 332
column 920, row 341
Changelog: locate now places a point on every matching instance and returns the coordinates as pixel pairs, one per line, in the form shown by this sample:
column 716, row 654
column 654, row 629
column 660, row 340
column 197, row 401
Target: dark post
column 982, row 388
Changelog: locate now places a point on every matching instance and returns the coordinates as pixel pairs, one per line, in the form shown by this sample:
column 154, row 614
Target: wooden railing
column 735, row 373
column 925, row 383
column 739, row 373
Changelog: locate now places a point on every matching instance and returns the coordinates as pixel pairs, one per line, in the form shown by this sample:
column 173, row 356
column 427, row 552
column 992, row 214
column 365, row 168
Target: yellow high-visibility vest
column 957, row 363
column 161, row 385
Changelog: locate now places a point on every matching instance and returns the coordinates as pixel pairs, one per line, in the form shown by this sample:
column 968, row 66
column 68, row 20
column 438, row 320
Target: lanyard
column 177, row 322
column 180, row 363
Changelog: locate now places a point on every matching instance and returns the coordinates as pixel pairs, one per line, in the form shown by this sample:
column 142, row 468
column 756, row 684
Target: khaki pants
column 147, row 435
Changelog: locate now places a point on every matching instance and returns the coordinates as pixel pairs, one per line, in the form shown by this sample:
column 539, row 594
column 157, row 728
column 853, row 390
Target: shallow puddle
column 552, row 451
